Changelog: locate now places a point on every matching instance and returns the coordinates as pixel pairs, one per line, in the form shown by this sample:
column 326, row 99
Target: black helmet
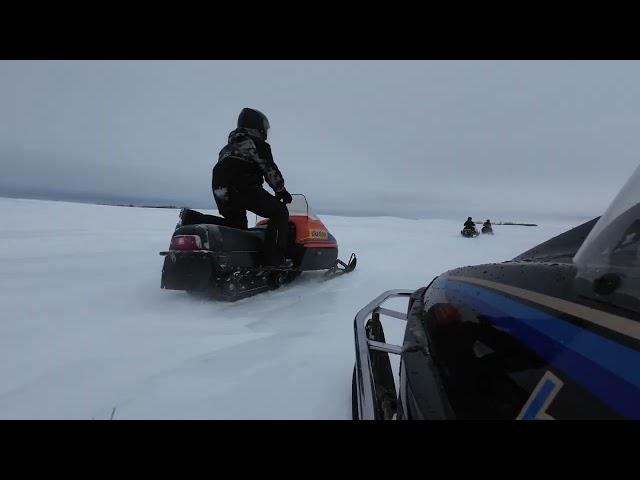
column 468, row 218
column 250, row 118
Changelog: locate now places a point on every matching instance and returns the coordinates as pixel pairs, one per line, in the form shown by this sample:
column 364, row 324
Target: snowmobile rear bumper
column 221, row 261
column 374, row 393
column 186, row 270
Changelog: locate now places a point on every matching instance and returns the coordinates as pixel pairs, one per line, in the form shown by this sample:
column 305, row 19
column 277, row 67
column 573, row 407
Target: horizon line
column 170, row 205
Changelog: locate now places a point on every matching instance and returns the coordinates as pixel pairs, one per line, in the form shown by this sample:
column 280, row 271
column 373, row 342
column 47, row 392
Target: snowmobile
column 486, row 229
column 469, row 232
column 209, row 259
column 553, row 333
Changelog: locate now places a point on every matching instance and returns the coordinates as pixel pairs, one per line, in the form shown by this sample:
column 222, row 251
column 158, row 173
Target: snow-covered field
column 85, row 327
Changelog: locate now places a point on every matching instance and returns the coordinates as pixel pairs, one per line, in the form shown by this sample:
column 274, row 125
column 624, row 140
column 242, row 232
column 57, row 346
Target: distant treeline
column 138, row 206
column 175, row 207
column 510, row 223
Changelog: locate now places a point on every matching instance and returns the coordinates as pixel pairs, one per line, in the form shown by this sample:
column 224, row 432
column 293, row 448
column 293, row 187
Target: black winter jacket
column 245, row 162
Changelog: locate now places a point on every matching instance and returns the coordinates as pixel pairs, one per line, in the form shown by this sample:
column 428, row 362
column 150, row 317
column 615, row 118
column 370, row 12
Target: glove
column 284, row 196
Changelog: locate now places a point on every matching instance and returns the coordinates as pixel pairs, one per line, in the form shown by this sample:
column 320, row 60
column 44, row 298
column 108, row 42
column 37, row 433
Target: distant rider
column 243, row 165
column 469, row 224
column 487, row 224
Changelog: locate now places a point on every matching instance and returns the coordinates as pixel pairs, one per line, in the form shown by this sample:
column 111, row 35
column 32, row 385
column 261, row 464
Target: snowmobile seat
column 193, row 217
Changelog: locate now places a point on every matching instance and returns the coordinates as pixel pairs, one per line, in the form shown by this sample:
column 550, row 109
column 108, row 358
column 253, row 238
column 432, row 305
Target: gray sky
column 495, row 139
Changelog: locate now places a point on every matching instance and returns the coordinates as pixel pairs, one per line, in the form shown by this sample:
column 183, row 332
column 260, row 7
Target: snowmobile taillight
column 185, row 242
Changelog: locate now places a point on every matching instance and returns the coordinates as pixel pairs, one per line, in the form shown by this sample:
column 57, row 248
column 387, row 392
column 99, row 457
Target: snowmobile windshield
column 608, row 262
column 299, row 206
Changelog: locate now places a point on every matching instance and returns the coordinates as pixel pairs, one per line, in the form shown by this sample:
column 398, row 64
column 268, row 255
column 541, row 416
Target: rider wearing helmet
column 237, row 184
column 469, row 224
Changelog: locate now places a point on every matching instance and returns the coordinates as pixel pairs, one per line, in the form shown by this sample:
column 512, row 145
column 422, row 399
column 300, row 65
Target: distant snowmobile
column 486, row 228
column 469, row 229
column 207, row 258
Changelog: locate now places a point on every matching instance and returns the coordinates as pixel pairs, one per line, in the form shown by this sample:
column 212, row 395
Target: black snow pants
column 262, row 203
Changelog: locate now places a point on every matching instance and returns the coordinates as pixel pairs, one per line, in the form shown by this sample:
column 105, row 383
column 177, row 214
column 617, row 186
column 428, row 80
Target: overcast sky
column 492, row 139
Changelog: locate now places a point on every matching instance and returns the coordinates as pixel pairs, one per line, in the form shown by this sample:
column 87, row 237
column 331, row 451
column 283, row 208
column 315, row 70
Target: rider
column 487, row 223
column 243, row 164
column 469, row 224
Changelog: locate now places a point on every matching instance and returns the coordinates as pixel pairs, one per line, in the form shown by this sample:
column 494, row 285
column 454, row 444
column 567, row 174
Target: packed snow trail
column 85, row 327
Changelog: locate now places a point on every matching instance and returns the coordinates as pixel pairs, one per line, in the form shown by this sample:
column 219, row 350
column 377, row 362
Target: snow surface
column 85, row 327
